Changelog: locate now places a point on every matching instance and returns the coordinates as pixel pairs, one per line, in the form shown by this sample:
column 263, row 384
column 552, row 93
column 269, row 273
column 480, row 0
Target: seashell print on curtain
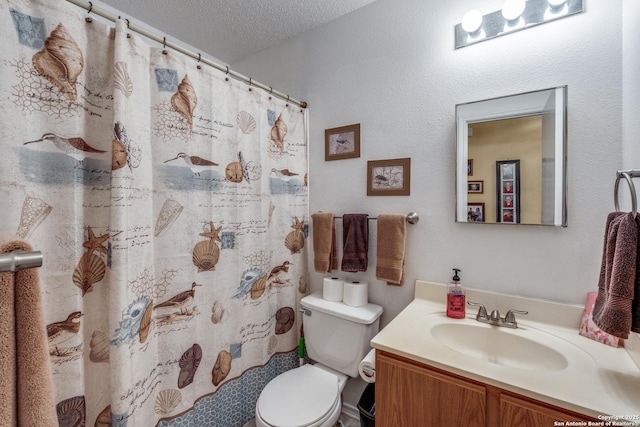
column 170, row 206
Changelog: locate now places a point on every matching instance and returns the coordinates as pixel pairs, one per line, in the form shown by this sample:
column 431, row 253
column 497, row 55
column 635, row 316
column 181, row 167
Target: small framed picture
column 475, row 212
column 389, row 177
column 342, row 143
column 469, row 167
column 475, row 187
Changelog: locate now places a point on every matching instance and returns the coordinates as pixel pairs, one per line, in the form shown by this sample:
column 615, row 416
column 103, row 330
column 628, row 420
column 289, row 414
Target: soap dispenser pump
column 456, row 297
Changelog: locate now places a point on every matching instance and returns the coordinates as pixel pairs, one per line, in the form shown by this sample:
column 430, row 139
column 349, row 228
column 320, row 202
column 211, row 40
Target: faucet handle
column 511, row 317
column 482, row 311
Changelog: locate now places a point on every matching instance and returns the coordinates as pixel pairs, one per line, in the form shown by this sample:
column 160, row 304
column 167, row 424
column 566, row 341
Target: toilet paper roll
column 355, row 293
column 332, row 288
column 367, row 367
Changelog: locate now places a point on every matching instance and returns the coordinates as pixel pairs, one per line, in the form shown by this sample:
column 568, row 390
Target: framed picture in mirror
column 475, row 187
column 508, row 191
column 342, row 142
column 475, row 212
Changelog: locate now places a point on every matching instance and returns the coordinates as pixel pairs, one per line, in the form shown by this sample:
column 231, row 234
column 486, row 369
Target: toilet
column 337, row 338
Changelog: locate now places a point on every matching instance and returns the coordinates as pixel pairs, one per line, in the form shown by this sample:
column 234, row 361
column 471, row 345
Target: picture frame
column 469, row 167
column 475, row 212
column 390, row 177
column 475, row 187
column 342, row 142
column 508, row 191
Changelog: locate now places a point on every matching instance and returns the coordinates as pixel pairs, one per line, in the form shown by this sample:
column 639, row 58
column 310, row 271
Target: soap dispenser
column 455, row 297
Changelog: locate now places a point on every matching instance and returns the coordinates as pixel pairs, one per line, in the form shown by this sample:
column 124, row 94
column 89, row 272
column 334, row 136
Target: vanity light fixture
column 515, row 15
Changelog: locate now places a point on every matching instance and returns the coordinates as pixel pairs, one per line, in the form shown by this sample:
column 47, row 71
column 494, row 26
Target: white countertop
column 604, row 382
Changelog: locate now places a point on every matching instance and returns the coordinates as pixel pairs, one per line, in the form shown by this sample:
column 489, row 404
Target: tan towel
column 612, row 311
column 355, row 242
column 391, row 248
column 325, row 257
column 26, row 384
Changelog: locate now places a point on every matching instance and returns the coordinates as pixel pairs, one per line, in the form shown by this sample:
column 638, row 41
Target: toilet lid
column 298, row 397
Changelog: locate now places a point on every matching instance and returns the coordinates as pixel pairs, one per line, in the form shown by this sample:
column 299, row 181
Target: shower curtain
column 171, row 206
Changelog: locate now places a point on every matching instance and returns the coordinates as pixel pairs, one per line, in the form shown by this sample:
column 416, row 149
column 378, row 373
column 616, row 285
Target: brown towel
column 612, row 311
column 391, row 248
column 26, row 384
column 324, row 242
column 355, row 242
column 635, row 305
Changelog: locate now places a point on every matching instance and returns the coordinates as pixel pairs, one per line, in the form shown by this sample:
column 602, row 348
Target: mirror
column 511, row 159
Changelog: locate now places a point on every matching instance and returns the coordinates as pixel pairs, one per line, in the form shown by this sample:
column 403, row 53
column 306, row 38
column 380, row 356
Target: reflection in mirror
column 511, row 159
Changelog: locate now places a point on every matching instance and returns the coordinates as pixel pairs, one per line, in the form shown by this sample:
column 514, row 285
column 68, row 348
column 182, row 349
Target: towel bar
column 628, row 175
column 20, row 260
column 412, row 218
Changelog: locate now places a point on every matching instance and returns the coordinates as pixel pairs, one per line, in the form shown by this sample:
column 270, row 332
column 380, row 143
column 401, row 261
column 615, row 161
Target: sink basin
column 523, row 348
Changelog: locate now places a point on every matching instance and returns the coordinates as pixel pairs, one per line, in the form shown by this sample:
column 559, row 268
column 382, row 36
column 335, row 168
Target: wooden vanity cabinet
column 411, row 394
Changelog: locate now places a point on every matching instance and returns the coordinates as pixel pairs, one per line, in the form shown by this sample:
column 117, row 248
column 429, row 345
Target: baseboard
column 351, row 411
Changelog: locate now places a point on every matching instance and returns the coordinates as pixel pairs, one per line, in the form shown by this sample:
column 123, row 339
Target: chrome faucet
column 508, row 321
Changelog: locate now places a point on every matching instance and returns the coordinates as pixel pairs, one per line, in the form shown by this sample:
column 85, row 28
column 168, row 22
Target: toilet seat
column 301, row 397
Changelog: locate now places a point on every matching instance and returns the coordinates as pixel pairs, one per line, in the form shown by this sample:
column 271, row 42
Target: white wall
column 391, row 66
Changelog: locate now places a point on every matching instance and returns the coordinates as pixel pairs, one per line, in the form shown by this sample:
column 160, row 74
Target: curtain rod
column 163, row 40
column 20, row 260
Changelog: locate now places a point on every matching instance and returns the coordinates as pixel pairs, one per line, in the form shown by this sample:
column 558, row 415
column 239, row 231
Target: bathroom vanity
column 414, row 394
column 435, row 371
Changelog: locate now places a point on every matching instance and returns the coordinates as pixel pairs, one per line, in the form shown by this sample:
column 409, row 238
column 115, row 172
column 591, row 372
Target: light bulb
column 512, row 9
column 472, row 21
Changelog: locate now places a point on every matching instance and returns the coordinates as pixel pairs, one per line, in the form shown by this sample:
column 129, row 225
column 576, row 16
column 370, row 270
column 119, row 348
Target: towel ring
column 632, row 189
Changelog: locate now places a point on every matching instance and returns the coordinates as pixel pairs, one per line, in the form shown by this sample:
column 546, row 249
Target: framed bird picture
column 342, row 143
column 389, row 177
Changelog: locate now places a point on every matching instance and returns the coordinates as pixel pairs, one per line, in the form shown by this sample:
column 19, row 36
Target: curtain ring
column 126, row 19
column 226, row 79
column 270, row 92
column 250, row 83
column 199, row 58
column 88, row 18
column 164, row 45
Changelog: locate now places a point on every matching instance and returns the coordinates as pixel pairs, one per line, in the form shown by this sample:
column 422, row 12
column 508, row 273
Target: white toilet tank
column 338, row 335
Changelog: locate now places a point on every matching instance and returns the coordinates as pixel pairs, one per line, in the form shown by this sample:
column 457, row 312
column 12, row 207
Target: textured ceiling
column 231, row 30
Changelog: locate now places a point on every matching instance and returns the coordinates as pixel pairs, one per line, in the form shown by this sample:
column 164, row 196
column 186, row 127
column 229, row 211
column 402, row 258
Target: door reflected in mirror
column 511, row 159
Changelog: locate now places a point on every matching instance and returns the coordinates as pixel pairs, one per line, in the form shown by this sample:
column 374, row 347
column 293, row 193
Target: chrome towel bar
column 20, row 260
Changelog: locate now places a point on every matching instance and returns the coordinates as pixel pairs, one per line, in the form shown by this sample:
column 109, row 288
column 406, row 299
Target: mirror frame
column 518, row 105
